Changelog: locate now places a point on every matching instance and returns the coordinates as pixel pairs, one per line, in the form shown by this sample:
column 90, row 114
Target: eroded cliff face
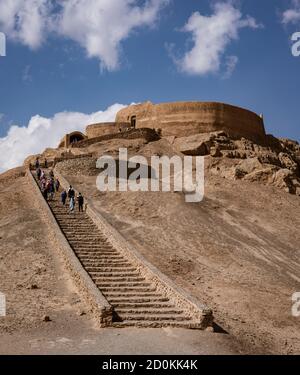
column 277, row 163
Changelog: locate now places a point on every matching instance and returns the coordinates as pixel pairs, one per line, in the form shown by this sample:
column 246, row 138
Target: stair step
column 84, row 234
column 103, row 259
column 94, row 261
column 99, row 267
column 92, row 247
column 158, row 324
column 80, row 226
column 88, row 244
column 123, row 285
column 97, row 250
column 127, row 294
column 141, row 305
column 147, row 311
column 86, row 237
column 90, row 240
column 123, row 290
column 98, row 255
column 94, row 258
column 101, row 275
column 117, row 279
column 132, row 300
column 111, row 269
column 78, row 229
column 74, row 217
column 149, row 317
column 94, row 264
column 93, row 268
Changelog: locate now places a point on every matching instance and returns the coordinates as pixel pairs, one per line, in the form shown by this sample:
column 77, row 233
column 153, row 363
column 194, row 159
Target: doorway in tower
column 133, row 121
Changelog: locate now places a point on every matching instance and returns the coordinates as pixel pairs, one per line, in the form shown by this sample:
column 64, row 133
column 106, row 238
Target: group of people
column 50, row 185
column 70, row 194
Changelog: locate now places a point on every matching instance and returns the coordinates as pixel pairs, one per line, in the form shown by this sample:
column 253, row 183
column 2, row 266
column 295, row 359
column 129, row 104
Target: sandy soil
column 83, row 339
column 237, row 251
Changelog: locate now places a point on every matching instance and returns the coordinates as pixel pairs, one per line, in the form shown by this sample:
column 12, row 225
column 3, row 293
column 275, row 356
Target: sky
column 69, row 63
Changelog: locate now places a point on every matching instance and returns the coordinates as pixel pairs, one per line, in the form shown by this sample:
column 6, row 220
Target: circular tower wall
column 188, row 118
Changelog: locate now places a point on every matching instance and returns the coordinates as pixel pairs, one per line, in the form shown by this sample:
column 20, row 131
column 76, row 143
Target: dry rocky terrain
column 45, row 312
column 237, row 250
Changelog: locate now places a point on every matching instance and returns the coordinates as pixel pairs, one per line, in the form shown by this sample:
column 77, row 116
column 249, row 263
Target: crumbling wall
column 98, row 130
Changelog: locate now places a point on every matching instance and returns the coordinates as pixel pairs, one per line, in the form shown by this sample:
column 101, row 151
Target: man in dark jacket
column 63, row 197
column 80, row 200
column 57, row 184
column 71, row 192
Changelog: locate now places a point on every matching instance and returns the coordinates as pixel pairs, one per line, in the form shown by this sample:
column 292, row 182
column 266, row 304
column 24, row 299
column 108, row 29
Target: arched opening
column 76, row 137
column 133, row 121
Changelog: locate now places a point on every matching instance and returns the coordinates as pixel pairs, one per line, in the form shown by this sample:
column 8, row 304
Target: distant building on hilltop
column 179, row 119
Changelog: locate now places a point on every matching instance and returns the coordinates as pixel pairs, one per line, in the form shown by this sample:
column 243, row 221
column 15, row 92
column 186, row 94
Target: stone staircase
column 136, row 301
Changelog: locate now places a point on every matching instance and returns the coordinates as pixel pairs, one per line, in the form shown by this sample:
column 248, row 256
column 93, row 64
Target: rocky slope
column 276, row 163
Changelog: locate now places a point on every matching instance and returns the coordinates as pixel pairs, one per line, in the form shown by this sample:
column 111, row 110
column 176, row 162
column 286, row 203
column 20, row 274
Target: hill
column 237, row 251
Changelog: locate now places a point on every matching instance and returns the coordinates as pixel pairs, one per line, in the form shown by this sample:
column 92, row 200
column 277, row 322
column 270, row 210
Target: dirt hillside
column 238, row 250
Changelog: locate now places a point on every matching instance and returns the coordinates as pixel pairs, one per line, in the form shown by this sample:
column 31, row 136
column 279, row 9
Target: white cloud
column 292, row 15
column 25, row 21
column 42, row 132
column 99, row 26
column 211, row 35
column 231, row 63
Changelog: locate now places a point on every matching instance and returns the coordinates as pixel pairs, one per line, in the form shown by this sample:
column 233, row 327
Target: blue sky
column 161, row 51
